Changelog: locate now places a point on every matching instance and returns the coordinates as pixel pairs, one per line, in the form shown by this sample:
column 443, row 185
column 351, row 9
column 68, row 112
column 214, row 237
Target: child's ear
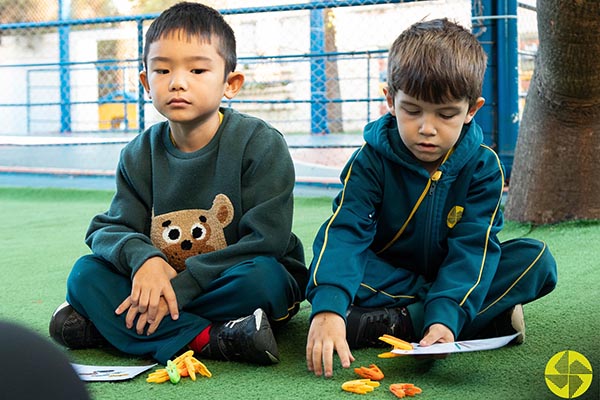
column 234, row 83
column 390, row 100
column 473, row 110
column 144, row 81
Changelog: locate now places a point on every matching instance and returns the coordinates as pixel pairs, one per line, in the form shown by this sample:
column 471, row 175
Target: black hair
column 195, row 20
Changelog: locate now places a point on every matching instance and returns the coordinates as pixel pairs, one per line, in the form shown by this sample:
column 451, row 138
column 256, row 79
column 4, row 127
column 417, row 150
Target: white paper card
column 458, row 347
column 106, row 373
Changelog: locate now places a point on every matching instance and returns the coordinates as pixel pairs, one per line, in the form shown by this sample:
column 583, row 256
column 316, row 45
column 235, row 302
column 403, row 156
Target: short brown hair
column 437, row 61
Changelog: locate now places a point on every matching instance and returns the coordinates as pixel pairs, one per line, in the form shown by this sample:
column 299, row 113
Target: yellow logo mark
column 568, row 374
column 454, row 216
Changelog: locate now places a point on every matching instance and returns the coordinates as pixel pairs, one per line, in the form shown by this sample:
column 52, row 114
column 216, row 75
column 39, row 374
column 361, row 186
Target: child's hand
column 151, row 283
column 327, row 334
column 437, row 333
column 163, row 311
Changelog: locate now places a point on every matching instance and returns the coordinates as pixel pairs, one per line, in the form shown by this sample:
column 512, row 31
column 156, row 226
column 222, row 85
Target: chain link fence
column 70, row 67
column 309, row 68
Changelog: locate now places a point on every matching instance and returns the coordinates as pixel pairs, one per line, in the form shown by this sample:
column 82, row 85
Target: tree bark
column 555, row 171
column 334, row 109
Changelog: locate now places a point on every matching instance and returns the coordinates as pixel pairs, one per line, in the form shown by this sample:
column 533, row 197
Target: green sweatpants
column 95, row 290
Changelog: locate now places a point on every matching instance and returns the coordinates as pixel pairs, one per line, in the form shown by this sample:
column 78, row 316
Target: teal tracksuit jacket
column 399, row 236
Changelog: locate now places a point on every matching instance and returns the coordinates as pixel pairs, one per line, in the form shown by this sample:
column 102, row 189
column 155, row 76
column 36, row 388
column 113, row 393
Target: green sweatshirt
column 442, row 227
column 204, row 211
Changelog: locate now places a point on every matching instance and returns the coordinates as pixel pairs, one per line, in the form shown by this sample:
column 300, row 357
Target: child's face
column 430, row 130
column 185, row 78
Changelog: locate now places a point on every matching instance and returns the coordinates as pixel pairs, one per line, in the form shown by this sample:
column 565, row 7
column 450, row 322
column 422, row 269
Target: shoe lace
column 231, row 324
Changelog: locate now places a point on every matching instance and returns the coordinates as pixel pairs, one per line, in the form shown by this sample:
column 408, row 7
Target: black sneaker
column 364, row 326
column 509, row 322
column 248, row 339
column 71, row 329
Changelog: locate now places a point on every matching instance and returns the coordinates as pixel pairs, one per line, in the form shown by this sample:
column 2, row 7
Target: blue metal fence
column 54, row 105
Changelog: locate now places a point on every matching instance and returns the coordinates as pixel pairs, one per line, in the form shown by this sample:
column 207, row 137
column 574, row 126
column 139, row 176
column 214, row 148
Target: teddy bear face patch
column 185, row 233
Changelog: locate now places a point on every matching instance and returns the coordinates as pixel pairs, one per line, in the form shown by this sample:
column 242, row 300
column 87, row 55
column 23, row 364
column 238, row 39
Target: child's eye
column 161, row 71
column 198, row 71
column 410, row 111
column 447, row 116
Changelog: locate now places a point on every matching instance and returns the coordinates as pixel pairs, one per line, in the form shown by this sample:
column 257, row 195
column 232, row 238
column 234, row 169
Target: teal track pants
column 95, row 290
column 526, row 272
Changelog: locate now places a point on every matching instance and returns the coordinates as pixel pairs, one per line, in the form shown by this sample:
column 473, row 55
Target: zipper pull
column 434, row 179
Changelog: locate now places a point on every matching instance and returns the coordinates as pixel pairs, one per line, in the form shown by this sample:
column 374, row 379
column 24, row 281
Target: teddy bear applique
column 185, row 233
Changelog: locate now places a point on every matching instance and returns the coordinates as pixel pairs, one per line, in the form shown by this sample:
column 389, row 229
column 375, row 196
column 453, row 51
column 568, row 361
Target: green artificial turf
column 42, row 235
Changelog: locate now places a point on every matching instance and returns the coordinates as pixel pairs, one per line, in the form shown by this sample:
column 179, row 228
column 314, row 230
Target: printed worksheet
column 458, row 347
column 101, row 373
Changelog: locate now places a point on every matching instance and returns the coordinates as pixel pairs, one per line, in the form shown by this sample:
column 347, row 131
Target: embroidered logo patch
column 454, row 216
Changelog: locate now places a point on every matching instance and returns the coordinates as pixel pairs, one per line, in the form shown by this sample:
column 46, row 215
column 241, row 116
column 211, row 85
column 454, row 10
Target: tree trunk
column 555, row 175
column 334, row 109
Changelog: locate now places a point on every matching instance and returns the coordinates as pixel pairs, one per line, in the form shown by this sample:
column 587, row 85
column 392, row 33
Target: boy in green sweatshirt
column 411, row 249
column 196, row 248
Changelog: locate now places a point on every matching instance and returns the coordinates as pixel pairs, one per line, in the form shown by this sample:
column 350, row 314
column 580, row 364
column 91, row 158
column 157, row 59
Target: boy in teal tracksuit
column 411, row 248
column 196, row 248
